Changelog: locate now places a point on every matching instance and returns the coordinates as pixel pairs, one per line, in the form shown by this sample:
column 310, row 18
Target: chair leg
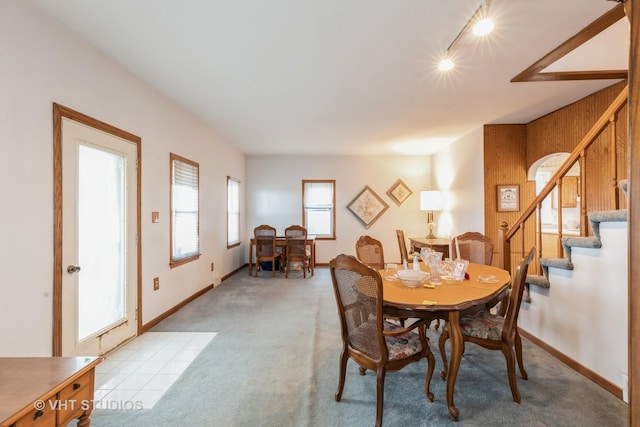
column 511, row 371
column 344, row 357
column 380, row 395
column 444, row 336
column 518, row 345
column 431, row 362
column 273, row 267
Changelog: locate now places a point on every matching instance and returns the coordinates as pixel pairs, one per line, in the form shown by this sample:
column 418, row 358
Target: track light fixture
column 482, row 25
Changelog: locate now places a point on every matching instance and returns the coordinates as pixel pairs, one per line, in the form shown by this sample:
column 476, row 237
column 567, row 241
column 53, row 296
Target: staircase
column 595, row 219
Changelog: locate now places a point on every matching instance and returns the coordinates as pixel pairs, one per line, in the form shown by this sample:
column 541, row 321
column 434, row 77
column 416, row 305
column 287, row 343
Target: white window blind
column 185, row 236
column 318, row 206
column 233, row 212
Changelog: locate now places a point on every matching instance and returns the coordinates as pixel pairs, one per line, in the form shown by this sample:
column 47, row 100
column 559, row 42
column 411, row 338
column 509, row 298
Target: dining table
column 448, row 301
column 281, row 244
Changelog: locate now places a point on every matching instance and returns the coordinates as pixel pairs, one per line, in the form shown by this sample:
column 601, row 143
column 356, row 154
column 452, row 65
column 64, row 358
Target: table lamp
column 430, row 201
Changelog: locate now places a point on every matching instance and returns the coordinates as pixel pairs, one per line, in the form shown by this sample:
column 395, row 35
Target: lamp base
column 431, row 235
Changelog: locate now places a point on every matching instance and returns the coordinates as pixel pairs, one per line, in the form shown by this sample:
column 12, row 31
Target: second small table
column 437, row 244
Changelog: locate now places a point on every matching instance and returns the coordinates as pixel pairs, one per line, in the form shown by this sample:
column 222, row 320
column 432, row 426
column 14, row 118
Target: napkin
column 428, row 302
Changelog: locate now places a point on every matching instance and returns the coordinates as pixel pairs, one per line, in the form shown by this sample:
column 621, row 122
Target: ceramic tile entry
column 137, row 375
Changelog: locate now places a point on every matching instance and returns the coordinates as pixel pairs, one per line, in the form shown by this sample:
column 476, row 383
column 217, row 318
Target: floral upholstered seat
column 482, row 325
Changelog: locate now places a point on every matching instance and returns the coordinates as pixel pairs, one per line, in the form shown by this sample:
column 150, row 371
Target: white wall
column 459, row 173
column 42, row 63
column 274, row 196
column 584, row 312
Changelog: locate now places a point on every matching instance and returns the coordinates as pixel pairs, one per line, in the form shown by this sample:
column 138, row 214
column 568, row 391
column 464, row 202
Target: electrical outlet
column 211, row 266
column 156, row 283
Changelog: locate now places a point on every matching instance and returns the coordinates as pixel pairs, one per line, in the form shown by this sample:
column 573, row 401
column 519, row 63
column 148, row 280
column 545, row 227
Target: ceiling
column 345, row 77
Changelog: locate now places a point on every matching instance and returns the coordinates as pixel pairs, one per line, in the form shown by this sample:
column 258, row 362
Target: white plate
column 390, row 278
column 489, row 281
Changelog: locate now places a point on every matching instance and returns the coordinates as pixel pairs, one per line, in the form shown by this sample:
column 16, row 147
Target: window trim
column 333, row 207
column 235, row 243
column 177, row 262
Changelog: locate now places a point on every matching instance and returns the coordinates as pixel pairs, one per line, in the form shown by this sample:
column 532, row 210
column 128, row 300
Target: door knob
column 73, row 269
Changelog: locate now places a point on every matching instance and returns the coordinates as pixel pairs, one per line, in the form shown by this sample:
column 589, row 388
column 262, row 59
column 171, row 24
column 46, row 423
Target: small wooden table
column 46, row 391
column 448, row 301
column 437, row 244
column 281, row 242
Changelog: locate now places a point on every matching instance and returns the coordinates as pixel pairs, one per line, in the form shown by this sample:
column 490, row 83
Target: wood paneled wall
column 505, row 159
column 510, row 150
column 563, row 129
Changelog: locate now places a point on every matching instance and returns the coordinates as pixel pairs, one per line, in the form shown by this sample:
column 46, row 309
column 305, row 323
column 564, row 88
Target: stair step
column 581, row 242
column 562, row 263
column 538, row 280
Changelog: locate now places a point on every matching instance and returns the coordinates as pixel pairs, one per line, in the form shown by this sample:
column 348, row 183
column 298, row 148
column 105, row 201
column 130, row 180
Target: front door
column 99, row 256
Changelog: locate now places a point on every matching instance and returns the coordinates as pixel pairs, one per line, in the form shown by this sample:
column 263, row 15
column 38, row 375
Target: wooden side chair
column 402, row 245
column 475, row 247
column 296, row 249
column 495, row 332
column 367, row 338
column 265, row 238
column 369, row 251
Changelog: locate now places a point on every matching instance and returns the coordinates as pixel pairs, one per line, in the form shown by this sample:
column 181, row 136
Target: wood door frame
column 60, row 112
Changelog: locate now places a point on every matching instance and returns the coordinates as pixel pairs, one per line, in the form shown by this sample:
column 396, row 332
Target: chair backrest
column 265, row 237
column 475, row 247
column 515, row 298
column 369, row 251
column 296, row 248
column 402, row 244
column 358, row 291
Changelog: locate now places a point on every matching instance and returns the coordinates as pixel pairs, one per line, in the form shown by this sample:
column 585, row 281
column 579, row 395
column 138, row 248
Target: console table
column 437, row 244
column 46, row 391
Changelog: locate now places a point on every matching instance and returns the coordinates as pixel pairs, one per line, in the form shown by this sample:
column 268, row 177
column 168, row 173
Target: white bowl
column 412, row 278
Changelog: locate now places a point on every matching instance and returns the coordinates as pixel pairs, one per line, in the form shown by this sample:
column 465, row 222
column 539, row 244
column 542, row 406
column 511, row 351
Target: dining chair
column 368, row 339
column 265, row 238
column 475, row 247
column 495, row 332
column 296, row 249
column 370, row 252
column 402, row 245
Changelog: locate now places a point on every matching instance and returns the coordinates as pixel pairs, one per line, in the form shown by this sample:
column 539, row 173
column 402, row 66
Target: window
column 233, row 212
column 318, row 208
column 185, row 215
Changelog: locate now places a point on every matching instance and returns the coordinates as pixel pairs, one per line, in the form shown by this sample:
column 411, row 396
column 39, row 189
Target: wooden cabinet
column 46, row 391
column 570, row 191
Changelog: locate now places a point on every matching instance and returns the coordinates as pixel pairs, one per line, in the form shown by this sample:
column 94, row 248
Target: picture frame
column 367, row 207
column 508, row 197
column 399, row 192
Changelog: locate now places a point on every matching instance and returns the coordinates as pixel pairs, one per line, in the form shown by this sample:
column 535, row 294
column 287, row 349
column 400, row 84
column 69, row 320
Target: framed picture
column 508, row 198
column 367, row 207
column 399, row 192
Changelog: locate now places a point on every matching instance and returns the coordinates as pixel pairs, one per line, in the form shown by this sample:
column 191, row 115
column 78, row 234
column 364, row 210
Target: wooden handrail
column 578, row 154
column 586, row 141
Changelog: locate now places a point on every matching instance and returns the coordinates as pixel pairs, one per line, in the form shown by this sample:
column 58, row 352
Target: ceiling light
column 482, row 25
column 445, row 64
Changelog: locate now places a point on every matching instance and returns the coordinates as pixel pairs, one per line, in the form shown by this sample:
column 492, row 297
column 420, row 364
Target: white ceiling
column 343, row 76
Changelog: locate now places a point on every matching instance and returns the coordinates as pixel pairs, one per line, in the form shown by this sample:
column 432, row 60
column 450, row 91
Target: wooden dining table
column 449, row 301
column 281, row 242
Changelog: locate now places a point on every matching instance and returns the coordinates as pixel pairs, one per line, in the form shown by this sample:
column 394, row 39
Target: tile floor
column 137, row 375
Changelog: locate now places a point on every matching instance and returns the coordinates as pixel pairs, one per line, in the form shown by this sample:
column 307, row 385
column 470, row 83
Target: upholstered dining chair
column 369, row 251
column 495, row 332
column 367, row 338
column 296, row 249
column 265, row 238
column 475, row 247
column 402, row 245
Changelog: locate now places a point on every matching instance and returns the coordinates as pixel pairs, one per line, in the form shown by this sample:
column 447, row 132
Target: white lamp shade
column 430, row 200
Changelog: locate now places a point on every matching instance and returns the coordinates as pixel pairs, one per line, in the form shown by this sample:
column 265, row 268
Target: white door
column 99, row 242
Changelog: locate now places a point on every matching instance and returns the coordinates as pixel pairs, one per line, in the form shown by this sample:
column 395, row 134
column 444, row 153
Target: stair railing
column 505, row 235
